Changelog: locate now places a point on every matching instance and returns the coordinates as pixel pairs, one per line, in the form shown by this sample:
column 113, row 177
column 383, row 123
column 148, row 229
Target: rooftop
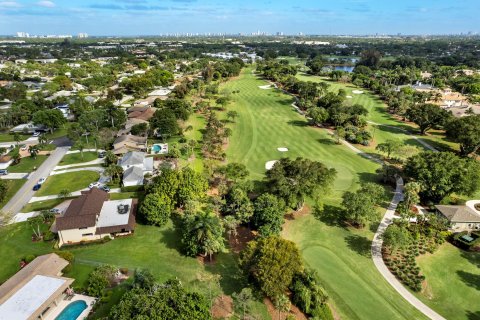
column 110, row 216
column 459, row 213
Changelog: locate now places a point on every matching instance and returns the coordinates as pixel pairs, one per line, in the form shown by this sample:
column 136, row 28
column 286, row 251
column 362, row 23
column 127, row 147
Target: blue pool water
column 156, row 148
column 72, row 311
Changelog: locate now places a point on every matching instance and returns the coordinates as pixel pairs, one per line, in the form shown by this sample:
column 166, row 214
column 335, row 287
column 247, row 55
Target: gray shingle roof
column 458, row 213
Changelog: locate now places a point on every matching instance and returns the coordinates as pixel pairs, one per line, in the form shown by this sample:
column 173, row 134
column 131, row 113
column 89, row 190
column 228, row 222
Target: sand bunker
column 282, row 149
column 357, row 91
column 266, row 87
column 349, row 97
column 269, row 165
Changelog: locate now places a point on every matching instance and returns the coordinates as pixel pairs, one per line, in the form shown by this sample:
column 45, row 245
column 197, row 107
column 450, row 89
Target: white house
column 135, row 166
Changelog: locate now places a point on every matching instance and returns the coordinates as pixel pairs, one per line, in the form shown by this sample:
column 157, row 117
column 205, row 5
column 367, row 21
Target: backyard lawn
column 72, row 158
column 150, row 248
column 27, row 164
column 453, row 278
column 341, row 257
column 72, row 181
column 7, row 137
column 42, row 205
column 13, row 186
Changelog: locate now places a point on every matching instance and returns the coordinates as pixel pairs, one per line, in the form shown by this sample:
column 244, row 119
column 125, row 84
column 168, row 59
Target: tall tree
column 428, row 116
column 294, row 180
column 268, row 216
column 271, row 262
column 465, row 131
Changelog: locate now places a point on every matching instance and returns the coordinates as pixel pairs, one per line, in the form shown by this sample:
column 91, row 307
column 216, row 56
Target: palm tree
column 114, row 171
column 65, row 193
column 231, row 224
column 282, row 304
column 33, row 151
column 17, row 138
column 80, row 147
column 207, row 229
column 42, row 139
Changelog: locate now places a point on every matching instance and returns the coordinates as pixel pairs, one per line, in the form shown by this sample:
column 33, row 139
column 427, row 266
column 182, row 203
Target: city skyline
column 157, row 17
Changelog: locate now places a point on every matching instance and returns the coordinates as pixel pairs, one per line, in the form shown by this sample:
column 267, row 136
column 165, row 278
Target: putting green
column 267, row 120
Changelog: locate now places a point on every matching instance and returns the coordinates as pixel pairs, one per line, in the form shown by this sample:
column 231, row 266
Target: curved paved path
column 387, row 219
column 380, row 264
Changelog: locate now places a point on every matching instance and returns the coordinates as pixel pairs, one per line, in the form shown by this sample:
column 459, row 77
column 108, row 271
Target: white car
column 41, row 180
column 94, row 185
column 36, row 134
column 23, row 147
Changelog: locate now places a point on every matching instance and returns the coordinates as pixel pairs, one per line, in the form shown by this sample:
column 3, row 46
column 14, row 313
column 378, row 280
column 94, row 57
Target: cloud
column 9, row 4
column 46, row 4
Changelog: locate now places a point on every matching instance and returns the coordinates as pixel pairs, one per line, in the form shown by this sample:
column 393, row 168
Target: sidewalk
column 96, row 169
column 73, row 194
column 80, row 164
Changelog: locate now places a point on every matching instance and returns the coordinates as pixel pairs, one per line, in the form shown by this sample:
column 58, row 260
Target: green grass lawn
column 7, row 137
column 378, row 114
column 27, row 164
column 42, row 205
column 72, row 158
column 453, row 278
column 72, row 181
column 153, row 248
column 13, row 186
column 267, row 121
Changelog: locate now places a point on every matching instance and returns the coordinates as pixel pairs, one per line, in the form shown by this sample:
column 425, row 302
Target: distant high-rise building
column 82, row 35
column 22, row 35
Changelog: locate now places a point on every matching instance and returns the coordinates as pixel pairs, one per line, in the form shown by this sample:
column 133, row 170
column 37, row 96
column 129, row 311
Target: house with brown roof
column 126, row 143
column 34, row 291
column 461, row 218
column 141, row 112
column 92, row 217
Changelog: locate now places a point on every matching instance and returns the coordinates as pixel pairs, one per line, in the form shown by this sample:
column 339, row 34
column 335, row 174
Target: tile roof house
column 126, row 143
column 461, row 218
column 129, row 124
column 35, row 290
column 135, row 166
column 92, row 217
column 142, row 112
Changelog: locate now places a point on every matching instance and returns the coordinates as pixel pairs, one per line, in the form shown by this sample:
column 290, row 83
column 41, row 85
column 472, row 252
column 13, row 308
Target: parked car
column 41, row 180
column 23, row 147
column 3, row 172
column 36, row 187
column 55, row 210
column 105, row 188
column 37, row 134
column 102, row 154
column 94, row 185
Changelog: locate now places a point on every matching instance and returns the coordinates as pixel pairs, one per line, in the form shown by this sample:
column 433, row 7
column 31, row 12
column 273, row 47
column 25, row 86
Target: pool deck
column 55, row 312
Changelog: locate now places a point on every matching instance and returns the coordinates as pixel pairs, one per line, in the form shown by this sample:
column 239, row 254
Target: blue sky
column 154, row 17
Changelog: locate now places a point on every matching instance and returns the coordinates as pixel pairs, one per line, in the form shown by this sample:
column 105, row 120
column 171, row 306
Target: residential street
column 23, row 196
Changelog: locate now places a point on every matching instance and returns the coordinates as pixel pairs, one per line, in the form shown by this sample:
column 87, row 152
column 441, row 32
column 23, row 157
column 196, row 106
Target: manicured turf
column 7, row 137
column 453, row 278
column 378, row 114
column 27, row 164
column 72, row 158
column 73, row 181
column 42, row 205
column 13, row 187
column 267, row 121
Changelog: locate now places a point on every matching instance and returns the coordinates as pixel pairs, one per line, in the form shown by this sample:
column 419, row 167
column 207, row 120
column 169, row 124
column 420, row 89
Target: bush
column 29, row 258
column 48, row 236
column 67, row 255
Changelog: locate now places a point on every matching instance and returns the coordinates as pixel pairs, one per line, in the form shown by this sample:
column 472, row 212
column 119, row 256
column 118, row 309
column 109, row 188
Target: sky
column 156, row 17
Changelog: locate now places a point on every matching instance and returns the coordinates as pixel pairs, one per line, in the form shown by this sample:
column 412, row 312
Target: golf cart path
column 420, row 140
column 376, row 247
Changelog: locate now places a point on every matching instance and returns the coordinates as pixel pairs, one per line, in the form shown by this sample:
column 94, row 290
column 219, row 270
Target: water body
column 348, row 69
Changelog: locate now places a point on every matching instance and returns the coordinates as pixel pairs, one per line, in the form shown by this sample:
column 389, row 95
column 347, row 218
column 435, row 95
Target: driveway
column 15, row 176
column 23, row 196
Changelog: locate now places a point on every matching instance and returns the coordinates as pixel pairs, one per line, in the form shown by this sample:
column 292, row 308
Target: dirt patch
column 335, row 314
column 222, row 307
column 205, row 260
column 300, row 213
column 244, row 235
column 283, row 315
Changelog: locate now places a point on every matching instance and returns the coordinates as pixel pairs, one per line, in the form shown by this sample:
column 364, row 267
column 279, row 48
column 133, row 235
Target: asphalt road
column 21, row 198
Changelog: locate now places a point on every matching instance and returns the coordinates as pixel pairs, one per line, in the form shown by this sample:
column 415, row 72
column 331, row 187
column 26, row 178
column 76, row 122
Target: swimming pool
column 72, row 311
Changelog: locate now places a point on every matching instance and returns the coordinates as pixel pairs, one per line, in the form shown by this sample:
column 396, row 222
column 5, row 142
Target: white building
column 135, row 166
